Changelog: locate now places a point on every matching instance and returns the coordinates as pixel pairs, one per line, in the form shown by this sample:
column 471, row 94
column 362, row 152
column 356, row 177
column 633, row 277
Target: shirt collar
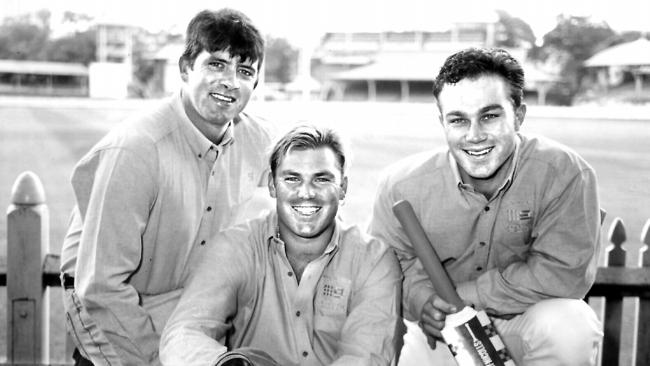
column 273, row 234
column 511, row 172
column 199, row 144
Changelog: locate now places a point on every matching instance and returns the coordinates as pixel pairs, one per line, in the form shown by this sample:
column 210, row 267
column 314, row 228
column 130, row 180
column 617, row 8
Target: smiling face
column 216, row 88
column 308, row 185
column 480, row 124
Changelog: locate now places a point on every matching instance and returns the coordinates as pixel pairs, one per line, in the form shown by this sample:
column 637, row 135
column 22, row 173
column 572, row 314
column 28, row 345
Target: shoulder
column 258, row 130
column 547, row 155
column 367, row 250
column 140, row 132
column 410, row 172
column 250, row 236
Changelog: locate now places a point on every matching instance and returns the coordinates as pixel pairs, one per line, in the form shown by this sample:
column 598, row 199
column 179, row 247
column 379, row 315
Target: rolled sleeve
column 114, row 190
column 416, row 286
column 372, row 330
column 562, row 259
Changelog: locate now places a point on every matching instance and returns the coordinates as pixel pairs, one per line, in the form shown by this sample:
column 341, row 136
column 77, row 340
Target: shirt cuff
column 468, row 292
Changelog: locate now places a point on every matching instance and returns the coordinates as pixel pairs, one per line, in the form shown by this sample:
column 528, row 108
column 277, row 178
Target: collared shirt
column 146, row 194
column 344, row 311
column 536, row 238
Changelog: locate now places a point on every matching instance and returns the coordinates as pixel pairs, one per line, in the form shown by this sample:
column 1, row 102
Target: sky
column 302, row 22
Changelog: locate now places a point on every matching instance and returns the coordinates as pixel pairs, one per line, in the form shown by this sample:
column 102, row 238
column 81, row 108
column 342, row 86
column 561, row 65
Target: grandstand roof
column 422, row 66
column 635, row 53
column 42, row 68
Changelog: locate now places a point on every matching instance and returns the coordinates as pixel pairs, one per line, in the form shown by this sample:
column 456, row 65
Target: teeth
column 480, row 152
column 306, row 210
column 223, row 98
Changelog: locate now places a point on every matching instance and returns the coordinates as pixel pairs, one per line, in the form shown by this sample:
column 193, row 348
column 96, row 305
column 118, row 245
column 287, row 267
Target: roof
column 635, row 53
column 421, row 66
column 42, row 68
column 412, row 66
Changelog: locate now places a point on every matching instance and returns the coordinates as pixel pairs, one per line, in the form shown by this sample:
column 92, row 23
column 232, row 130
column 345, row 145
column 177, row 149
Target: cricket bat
column 469, row 334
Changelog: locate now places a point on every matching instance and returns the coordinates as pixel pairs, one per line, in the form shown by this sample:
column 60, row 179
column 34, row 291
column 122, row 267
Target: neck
column 301, row 251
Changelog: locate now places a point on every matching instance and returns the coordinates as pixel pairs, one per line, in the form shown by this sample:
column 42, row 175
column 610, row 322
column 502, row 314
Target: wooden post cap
column 27, row 190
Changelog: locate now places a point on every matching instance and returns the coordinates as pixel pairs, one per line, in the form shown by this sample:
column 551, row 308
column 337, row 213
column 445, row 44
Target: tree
column 78, row 47
column 578, row 36
column 25, row 38
column 514, row 32
column 281, row 60
column 573, row 40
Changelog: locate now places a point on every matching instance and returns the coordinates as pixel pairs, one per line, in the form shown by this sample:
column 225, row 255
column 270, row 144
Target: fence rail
column 31, row 268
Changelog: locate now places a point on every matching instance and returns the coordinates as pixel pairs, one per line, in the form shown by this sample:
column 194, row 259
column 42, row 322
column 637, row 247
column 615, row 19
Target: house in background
column 610, row 67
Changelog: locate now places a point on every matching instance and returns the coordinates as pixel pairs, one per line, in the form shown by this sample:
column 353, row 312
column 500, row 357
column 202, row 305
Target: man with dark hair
column 159, row 186
column 514, row 218
column 297, row 286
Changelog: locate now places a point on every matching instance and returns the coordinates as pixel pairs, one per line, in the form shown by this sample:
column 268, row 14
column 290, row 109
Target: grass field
column 49, row 136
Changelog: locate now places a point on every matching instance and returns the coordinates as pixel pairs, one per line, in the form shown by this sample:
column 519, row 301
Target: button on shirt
column 345, row 311
column 536, row 238
column 146, row 194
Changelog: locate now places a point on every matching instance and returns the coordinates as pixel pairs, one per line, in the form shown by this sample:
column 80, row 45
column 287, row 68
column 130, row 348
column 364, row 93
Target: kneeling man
column 296, row 285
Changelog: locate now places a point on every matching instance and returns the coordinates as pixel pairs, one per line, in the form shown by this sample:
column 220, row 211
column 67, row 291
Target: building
column 400, row 66
column 611, row 66
column 43, row 78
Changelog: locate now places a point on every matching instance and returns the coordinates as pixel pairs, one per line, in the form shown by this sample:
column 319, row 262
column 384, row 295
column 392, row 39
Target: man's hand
column 432, row 319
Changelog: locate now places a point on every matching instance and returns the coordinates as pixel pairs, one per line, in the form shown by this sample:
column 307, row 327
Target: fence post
column 643, row 334
column 614, row 304
column 27, row 244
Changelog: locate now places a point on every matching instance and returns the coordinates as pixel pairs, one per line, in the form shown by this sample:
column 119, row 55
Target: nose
column 229, row 78
column 306, row 191
column 475, row 132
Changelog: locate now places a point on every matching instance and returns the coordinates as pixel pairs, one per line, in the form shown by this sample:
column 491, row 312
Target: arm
column 371, row 331
column 194, row 332
column 115, row 189
column 416, row 287
column 562, row 258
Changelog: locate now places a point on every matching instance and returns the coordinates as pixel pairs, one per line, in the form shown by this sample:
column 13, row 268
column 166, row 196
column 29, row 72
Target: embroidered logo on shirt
column 332, row 296
column 519, row 219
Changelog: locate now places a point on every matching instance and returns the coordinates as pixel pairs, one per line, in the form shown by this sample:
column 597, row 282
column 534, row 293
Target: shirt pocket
column 516, row 224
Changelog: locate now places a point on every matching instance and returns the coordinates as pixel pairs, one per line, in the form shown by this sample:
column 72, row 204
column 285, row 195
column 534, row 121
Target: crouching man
column 294, row 287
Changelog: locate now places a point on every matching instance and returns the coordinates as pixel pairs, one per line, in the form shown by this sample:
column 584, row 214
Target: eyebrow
column 232, row 60
column 319, row 173
column 482, row 110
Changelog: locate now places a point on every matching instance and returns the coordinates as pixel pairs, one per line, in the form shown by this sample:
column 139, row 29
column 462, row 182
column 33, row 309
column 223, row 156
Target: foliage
column 78, row 47
column 28, row 37
column 573, row 40
column 25, row 37
column 578, row 36
column 514, row 32
column 281, row 60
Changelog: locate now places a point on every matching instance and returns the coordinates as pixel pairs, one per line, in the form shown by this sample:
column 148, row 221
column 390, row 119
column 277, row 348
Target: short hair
column 472, row 63
column 307, row 137
column 223, row 30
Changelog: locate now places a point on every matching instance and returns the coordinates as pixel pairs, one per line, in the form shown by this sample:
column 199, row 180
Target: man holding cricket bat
column 513, row 217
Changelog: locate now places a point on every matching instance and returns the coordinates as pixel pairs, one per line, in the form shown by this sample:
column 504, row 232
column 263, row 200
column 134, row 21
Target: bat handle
column 426, row 253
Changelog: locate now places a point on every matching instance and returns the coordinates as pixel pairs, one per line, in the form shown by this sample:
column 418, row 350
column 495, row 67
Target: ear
column 271, row 184
column 184, row 65
column 344, row 188
column 520, row 114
